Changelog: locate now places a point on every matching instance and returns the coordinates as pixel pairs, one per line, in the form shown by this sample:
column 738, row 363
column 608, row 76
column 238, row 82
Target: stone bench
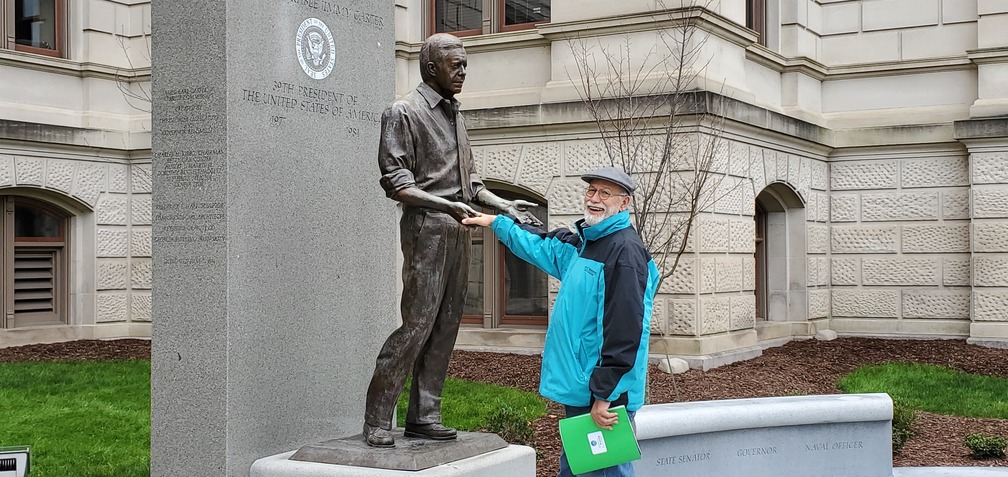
column 847, row 435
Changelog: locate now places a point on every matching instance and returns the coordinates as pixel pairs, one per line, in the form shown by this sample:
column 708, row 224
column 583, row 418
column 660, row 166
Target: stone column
column 987, row 142
column 273, row 245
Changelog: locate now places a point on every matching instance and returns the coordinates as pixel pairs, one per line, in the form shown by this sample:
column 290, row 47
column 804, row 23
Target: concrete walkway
column 950, row 472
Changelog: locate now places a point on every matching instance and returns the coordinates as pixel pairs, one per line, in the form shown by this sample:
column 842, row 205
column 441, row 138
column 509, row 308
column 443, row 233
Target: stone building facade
column 75, row 170
column 865, row 150
column 865, row 144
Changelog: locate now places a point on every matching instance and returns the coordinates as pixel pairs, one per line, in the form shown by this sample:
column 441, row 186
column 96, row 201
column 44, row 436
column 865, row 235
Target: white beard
column 591, row 220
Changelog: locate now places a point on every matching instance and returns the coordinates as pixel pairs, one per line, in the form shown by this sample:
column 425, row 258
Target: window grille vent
column 34, row 281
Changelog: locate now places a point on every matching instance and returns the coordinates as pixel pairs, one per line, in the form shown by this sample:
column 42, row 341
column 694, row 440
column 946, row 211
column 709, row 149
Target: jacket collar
column 608, row 226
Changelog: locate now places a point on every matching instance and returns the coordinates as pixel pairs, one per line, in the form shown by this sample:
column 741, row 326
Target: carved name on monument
column 684, row 459
column 197, row 216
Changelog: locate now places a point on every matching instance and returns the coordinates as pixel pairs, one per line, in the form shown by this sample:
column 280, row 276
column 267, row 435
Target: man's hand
column 519, row 209
column 461, row 211
column 601, row 415
column 483, row 220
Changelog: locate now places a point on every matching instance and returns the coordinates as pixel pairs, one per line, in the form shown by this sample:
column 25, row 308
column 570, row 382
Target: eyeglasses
column 603, row 194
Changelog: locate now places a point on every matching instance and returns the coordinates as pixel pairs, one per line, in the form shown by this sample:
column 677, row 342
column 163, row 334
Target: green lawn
column 467, row 405
column 92, row 419
column 932, row 388
column 81, row 419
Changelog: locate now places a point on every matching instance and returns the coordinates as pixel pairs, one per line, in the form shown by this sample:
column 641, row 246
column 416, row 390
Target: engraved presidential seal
column 316, row 48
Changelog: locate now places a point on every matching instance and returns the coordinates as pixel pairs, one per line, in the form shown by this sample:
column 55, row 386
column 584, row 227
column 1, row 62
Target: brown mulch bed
column 83, row 350
column 799, row 367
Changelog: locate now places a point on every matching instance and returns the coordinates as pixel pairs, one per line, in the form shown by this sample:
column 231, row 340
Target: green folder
column 589, row 447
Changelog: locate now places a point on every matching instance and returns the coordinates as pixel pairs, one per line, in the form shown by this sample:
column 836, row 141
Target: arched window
column 503, row 289
column 34, row 258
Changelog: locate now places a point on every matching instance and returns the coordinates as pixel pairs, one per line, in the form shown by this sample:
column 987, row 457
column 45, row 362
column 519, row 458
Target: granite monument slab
column 273, row 245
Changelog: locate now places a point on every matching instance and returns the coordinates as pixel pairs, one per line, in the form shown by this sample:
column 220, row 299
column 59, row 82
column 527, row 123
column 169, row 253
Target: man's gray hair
column 434, row 49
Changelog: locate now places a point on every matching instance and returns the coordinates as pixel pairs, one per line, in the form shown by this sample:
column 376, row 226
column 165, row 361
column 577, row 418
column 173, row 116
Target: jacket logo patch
column 590, row 271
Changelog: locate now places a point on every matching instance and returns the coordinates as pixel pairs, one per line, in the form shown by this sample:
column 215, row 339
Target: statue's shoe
column 434, row 431
column 378, row 437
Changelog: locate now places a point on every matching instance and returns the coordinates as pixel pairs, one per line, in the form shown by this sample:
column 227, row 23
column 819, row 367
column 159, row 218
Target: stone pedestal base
column 408, row 454
column 511, row 461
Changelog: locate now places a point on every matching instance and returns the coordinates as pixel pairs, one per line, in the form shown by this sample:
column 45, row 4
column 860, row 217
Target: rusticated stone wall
column 900, row 243
column 118, row 193
column 712, row 288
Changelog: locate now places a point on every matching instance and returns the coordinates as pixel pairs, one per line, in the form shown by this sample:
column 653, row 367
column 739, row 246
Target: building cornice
column 18, row 59
column 980, row 129
column 988, row 55
column 546, row 33
column 491, row 42
column 697, row 104
column 775, row 61
column 671, row 19
column 762, row 55
column 94, row 140
column 904, row 67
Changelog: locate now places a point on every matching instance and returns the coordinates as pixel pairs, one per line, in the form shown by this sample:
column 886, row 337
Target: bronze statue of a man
column 426, row 164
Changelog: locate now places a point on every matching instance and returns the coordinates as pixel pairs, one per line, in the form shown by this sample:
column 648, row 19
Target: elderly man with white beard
column 596, row 350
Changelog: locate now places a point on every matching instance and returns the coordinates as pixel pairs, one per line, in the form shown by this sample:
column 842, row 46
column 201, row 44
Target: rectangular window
column 474, row 17
column 525, row 288
column 756, row 19
column 39, row 26
column 461, row 17
column 520, row 14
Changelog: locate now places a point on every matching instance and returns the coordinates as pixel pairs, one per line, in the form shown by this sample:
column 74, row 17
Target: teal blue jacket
column 597, row 338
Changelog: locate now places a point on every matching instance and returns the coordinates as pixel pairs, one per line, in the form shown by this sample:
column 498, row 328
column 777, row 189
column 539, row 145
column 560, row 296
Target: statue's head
column 443, row 64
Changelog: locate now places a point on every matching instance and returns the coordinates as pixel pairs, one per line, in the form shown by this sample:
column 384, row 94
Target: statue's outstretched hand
column 519, row 209
column 460, row 211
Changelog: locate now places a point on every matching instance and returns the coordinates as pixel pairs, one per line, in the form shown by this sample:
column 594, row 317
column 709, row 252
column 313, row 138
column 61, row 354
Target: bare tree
column 131, row 86
column 133, row 90
column 659, row 125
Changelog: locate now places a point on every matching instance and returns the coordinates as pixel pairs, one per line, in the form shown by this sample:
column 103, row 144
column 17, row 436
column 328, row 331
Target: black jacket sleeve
column 622, row 325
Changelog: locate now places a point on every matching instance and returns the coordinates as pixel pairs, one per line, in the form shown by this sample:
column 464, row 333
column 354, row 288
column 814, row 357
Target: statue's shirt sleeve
column 422, row 146
column 396, row 154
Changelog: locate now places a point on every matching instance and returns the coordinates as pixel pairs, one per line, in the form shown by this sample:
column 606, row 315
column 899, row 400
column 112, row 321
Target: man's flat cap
column 611, row 174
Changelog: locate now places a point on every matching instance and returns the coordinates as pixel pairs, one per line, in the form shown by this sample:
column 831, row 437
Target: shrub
column 902, row 423
column 985, row 447
column 511, row 425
